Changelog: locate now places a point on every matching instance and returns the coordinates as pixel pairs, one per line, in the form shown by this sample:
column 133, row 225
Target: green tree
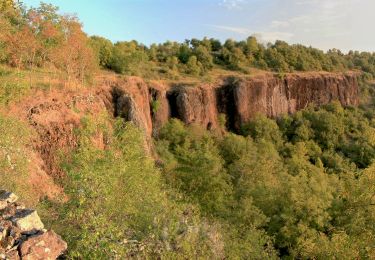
column 103, row 49
column 199, row 170
column 204, row 57
column 128, row 58
column 194, row 67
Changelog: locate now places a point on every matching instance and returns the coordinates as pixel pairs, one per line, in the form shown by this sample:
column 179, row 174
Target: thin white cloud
column 263, row 36
column 280, row 24
column 310, row 21
column 324, row 24
column 232, row 4
column 232, row 29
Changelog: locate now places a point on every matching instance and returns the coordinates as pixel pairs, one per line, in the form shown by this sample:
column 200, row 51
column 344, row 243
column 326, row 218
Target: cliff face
column 55, row 115
column 274, row 96
column 132, row 101
column 239, row 99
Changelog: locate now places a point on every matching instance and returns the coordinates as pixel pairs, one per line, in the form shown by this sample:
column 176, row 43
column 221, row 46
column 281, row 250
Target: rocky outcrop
column 277, row 95
column 22, row 233
column 238, row 98
column 131, row 99
column 194, row 104
column 150, row 104
column 161, row 109
column 54, row 117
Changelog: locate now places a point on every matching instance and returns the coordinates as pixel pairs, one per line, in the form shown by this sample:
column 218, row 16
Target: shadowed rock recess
column 150, row 105
column 22, row 233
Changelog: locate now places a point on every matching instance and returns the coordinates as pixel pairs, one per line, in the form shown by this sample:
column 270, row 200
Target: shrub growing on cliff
column 118, row 206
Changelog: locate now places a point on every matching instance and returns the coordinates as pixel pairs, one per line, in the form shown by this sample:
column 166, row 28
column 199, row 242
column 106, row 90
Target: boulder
column 48, row 245
column 6, row 197
column 22, row 233
column 28, row 221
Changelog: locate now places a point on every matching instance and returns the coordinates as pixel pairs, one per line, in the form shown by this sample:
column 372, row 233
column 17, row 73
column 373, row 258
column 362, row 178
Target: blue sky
column 343, row 24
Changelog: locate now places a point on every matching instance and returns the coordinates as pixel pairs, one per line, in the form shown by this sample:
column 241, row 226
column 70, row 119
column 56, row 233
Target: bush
column 118, row 206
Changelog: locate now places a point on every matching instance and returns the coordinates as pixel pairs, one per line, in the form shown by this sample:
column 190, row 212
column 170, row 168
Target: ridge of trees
column 39, row 37
column 197, row 57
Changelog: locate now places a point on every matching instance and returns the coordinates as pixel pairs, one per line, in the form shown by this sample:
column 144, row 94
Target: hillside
column 75, row 140
column 194, row 150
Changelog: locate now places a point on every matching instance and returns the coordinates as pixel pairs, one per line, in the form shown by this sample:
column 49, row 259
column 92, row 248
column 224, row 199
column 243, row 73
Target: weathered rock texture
column 239, row 99
column 131, row 100
column 274, row 95
column 150, row 104
column 22, row 233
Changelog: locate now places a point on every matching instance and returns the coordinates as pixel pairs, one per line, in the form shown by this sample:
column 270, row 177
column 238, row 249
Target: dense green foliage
column 301, row 187
column 197, row 57
column 118, row 205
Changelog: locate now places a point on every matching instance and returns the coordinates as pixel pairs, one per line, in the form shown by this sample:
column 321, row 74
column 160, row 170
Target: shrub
column 118, row 207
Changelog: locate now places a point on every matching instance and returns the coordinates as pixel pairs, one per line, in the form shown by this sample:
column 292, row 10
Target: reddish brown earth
column 55, row 115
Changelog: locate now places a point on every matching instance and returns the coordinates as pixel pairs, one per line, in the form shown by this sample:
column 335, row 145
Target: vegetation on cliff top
column 41, row 37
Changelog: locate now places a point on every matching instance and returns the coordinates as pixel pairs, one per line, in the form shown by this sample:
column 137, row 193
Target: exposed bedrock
column 274, row 96
column 151, row 105
column 131, row 101
column 195, row 105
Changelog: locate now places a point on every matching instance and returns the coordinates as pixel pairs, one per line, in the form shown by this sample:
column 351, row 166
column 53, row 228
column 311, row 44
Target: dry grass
column 16, row 84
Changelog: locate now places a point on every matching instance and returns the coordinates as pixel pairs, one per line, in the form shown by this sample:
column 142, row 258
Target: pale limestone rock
column 8, row 196
column 28, row 221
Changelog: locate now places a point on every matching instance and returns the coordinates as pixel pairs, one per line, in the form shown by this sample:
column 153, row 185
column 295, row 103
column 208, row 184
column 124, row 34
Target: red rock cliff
column 274, row 96
column 150, row 105
column 55, row 115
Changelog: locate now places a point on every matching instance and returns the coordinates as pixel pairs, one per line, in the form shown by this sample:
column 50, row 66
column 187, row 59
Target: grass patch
column 14, row 160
